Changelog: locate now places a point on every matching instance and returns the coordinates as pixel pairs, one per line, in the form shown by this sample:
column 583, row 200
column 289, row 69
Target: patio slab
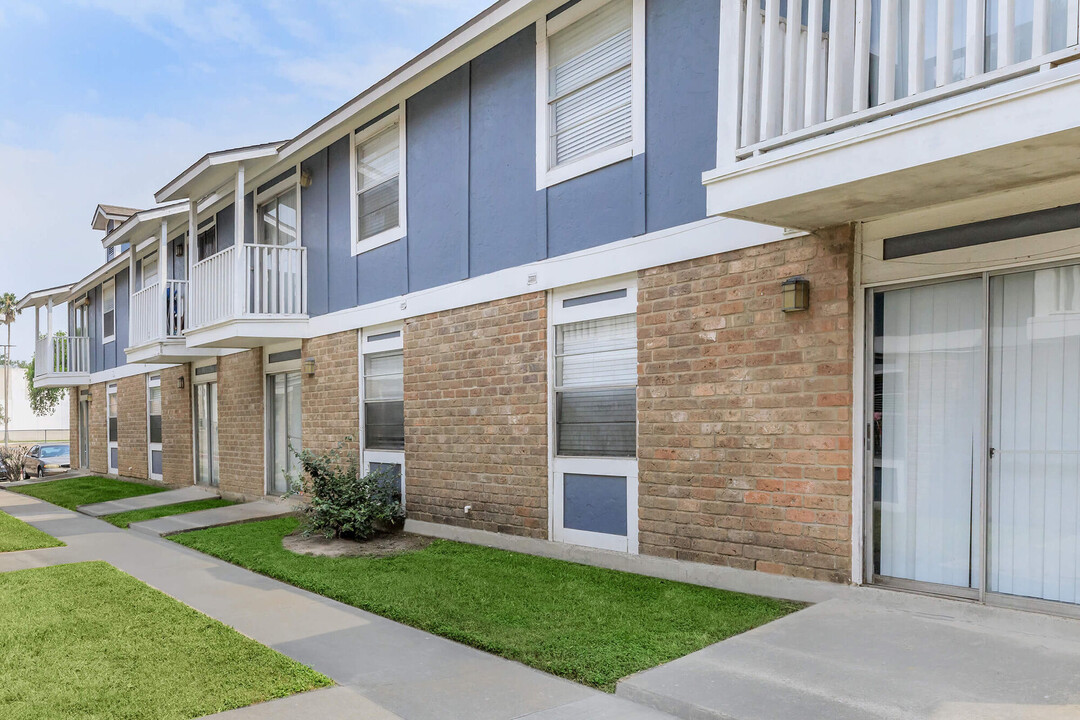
column 878, row 654
column 216, row 517
column 169, row 497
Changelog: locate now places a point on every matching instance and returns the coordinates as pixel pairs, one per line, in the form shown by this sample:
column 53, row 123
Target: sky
column 105, row 101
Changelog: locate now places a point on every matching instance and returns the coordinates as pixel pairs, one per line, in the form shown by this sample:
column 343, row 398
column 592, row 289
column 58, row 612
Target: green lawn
column 122, row 520
column 17, row 535
column 87, row 641
column 72, row 492
column 587, row 624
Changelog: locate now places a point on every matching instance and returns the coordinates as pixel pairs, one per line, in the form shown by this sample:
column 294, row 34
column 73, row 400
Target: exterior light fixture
column 180, row 383
column 796, row 294
column 309, row 367
column 305, row 179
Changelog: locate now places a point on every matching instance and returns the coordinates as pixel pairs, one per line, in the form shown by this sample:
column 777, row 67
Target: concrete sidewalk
column 142, row 502
column 385, row 670
column 215, row 517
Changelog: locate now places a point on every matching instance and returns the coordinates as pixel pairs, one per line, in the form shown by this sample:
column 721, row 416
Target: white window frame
column 261, row 198
column 277, row 368
column 369, row 346
column 546, row 175
column 153, row 254
column 108, row 288
column 563, row 465
column 153, row 381
column 358, row 138
column 112, row 395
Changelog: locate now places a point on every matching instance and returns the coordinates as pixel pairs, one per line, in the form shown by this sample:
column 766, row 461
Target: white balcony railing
column 274, row 284
column 62, row 355
column 801, row 69
column 156, row 316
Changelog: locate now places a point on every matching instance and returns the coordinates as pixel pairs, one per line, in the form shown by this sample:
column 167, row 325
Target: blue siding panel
column 226, row 227
column 342, row 265
column 313, row 236
column 680, row 108
column 437, row 123
column 502, row 173
column 593, row 209
column 382, row 273
column 249, row 219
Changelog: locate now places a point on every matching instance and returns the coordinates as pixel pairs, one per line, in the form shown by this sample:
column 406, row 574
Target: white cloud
column 340, row 77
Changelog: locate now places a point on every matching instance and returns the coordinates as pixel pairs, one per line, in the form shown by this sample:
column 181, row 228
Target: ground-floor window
column 976, row 434
column 154, row 430
column 594, row 418
column 383, row 393
column 113, row 428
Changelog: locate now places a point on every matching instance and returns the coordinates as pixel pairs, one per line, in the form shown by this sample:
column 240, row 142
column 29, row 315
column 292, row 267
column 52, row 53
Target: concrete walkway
column 215, row 517
column 879, row 654
column 142, row 502
column 384, row 670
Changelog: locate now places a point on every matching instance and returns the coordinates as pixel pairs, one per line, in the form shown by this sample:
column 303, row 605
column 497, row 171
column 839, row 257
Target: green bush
column 343, row 502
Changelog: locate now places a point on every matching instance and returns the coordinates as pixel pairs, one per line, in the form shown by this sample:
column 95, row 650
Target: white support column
column 131, row 292
column 240, row 278
column 192, row 247
column 163, row 273
column 49, row 364
column 37, row 324
column 731, row 53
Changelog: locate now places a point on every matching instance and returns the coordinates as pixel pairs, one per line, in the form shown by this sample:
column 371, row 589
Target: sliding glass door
column 206, row 433
column 976, row 435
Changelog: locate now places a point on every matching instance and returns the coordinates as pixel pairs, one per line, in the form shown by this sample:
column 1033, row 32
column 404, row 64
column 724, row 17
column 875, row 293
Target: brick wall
column 330, row 399
column 99, row 446
column 131, row 396
column 73, row 426
column 476, row 416
column 176, row 437
column 744, row 412
column 241, row 438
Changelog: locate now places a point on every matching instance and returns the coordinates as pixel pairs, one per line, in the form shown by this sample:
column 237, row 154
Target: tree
column 43, row 401
column 8, row 312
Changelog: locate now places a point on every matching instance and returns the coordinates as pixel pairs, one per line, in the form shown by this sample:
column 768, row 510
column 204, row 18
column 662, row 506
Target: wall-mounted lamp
column 796, row 294
column 309, row 367
column 180, row 383
column 305, row 179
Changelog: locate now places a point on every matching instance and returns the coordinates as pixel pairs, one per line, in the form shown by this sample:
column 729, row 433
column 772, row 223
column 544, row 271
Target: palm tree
column 8, row 313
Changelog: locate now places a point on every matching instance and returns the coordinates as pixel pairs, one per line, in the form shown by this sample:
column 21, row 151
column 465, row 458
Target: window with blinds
column 378, row 182
column 108, row 311
column 590, row 84
column 596, row 387
column 384, row 401
column 153, row 402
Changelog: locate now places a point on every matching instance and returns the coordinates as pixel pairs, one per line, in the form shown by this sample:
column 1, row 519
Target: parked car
column 47, row 458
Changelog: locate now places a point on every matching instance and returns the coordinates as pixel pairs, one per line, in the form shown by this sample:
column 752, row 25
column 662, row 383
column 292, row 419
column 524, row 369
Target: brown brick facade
column 241, row 435
column 476, row 416
column 744, row 412
column 176, row 431
column 330, row 398
column 133, row 437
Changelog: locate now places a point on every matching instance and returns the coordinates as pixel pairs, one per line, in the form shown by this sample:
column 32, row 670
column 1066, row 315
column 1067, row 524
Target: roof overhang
column 39, row 298
column 104, row 272
column 215, row 170
column 144, row 224
column 104, row 213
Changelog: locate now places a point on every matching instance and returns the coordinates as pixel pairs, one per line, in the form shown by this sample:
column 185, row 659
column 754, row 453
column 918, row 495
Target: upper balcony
column 61, row 361
column 159, row 316
column 873, row 107
column 248, row 296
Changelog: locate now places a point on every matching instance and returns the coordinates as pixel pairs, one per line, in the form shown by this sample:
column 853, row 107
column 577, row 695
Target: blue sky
column 107, row 100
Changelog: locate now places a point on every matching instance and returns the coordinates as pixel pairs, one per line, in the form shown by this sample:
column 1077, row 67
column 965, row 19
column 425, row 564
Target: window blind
column 378, row 170
column 384, row 401
column 590, row 83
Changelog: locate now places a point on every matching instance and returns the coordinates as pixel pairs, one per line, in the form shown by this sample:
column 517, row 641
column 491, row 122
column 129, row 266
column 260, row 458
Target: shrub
column 343, row 502
column 12, row 459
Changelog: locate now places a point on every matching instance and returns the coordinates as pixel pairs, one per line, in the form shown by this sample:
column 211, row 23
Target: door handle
column 993, row 452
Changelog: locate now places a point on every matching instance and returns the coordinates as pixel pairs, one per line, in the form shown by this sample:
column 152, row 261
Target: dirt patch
column 385, row 545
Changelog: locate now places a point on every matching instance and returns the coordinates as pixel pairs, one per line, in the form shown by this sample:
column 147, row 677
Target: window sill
column 586, row 165
column 377, row 241
column 106, row 341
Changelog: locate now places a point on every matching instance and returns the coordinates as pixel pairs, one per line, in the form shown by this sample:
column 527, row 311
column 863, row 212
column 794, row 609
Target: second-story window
column 378, row 155
column 591, row 60
column 108, row 311
column 278, row 220
column 206, row 241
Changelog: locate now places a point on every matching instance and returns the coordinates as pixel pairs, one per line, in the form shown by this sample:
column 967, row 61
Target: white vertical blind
column 590, row 83
column 1035, row 396
column 378, row 171
column 931, row 349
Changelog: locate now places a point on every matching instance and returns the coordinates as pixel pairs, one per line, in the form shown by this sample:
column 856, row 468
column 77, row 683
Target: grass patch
column 73, row 492
column 87, row 641
column 122, row 520
column 587, row 624
column 17, row 535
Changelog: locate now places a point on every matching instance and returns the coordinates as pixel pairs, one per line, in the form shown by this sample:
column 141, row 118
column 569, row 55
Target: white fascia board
column 124, row 371
column 179, row 188
column 104, row 272
column 38, row 298
column 127, row 232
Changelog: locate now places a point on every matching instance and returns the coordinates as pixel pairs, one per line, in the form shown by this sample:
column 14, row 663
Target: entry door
column 927, row 425
column 206, row 434
column 84, row 434
column 113, row 430
column 283, row 425
column 155, row 452
column 1034, row 531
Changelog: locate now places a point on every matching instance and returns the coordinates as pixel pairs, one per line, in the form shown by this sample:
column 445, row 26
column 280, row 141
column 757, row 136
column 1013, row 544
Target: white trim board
column 125, row 371
column 685, row 242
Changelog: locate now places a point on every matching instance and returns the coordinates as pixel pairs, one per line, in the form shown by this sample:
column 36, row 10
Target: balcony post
column 731, row 63
column 49, row 350
column 131, row 292
column 192, row 244
column 238, row 242
column 163, row 275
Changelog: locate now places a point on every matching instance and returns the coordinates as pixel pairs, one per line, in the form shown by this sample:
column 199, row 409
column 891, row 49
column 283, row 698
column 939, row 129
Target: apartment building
column 785, row 288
